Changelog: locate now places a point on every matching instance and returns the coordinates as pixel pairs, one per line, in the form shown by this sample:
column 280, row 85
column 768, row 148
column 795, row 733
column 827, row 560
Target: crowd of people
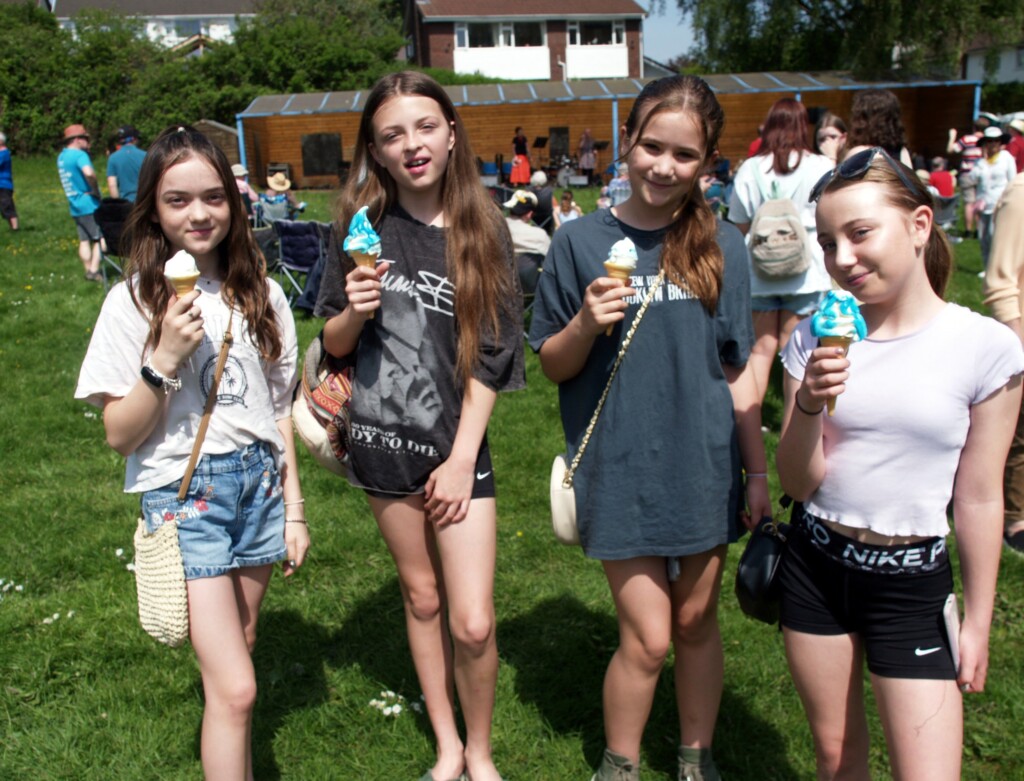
column 928, row 404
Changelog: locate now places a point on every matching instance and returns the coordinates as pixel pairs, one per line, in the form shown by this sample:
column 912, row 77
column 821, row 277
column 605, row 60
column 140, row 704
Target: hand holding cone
column 835, row 341
column 616, row 272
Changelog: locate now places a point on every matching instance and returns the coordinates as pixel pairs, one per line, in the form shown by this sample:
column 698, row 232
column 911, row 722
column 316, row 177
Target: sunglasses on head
column 855, row 166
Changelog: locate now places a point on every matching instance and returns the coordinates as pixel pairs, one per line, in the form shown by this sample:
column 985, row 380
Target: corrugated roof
column 590, row 89
column 436, row 10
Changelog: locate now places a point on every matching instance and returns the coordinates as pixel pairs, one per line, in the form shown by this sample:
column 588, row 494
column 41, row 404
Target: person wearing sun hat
column 279, row 192
column 124, row 165
column 991, row 174
column 1015, row 146
column 526, row 237
column 78, row 178
column 240, row 172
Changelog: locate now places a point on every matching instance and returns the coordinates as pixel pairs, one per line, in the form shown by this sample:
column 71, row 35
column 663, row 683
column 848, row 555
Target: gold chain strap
column 571, row 471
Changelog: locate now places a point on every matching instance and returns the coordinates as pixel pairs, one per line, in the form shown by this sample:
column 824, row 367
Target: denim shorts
column 799, row 303
column 232, row 516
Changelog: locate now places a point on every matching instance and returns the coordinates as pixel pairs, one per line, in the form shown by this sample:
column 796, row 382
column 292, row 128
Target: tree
column 873, row 38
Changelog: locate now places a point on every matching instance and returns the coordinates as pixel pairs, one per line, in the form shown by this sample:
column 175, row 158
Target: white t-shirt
column 893, row 446
column 992, row 177
column 796, row 185
column 253, row 395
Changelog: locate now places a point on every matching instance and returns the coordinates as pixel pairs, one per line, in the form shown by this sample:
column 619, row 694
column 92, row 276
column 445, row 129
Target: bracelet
column 294, row 502
column 799, row 406
column 296, row 520
column 756, row 474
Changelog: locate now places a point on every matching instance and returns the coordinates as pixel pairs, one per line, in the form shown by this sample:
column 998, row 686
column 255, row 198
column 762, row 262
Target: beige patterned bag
column 160, row 583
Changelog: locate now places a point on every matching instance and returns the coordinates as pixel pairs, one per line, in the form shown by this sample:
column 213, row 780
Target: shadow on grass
column 560, row 650
column 290, row 676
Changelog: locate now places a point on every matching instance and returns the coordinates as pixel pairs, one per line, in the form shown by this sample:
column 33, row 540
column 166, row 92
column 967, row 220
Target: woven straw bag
column 160, row 584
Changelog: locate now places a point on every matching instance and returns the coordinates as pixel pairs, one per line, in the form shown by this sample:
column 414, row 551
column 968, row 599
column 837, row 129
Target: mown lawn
column 85, row 694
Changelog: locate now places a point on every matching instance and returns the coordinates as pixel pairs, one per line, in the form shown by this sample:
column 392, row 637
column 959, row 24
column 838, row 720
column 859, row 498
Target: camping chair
column 300, row 247
column 528, row 264
column 946, row 215
column 111, row 216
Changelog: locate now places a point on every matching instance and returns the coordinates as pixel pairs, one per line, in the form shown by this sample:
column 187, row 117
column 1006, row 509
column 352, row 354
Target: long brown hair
column 908, row 195
column 785, row 131
column 241, row 265
column 477, row 243
column 690, row 256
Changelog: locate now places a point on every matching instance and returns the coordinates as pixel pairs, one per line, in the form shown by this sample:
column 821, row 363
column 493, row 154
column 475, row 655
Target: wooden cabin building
column 311, row 136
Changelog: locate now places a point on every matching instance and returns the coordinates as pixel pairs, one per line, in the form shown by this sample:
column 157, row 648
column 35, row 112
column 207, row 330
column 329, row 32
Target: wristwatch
column 157, row 380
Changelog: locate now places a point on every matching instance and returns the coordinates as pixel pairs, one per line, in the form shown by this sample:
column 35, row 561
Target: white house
column 1010, row 62
column 170, row 23
column 528, row 39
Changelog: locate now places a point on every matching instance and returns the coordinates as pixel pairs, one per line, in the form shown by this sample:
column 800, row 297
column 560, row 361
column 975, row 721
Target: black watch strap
column 152, row 378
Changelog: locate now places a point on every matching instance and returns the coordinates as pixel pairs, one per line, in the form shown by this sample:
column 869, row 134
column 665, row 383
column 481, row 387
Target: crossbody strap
column 211, row 400
column 571, row 471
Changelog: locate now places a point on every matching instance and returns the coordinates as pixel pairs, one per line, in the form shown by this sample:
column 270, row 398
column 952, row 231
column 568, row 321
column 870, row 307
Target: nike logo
column 482, row 475
column 926, row 651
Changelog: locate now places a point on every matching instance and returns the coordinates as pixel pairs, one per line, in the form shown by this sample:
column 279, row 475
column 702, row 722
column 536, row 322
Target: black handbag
column 757, row 587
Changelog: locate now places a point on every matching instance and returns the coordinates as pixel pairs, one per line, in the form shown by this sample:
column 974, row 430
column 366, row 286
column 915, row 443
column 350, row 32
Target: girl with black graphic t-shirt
column 443, row 339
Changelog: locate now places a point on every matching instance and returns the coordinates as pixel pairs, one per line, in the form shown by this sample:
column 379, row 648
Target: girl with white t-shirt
column 149, row 366
column 786, row 160
column 925, row 411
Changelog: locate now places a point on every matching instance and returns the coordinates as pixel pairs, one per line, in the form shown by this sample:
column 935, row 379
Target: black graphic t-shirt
column 406, row 401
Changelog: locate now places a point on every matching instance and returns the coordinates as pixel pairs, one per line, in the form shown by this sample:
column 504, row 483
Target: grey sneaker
column 615, row 767
column 697, row 764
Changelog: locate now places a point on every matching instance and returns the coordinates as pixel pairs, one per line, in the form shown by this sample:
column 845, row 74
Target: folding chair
column 946, row 215
column 301, row 247
column 528, row 264
column 111, row 216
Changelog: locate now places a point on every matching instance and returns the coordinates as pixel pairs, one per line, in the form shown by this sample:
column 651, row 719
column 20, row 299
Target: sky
column 667, row 35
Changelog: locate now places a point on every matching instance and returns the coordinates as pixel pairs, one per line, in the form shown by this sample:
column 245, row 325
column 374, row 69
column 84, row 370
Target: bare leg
column 410, row 539
column 698, row 645
column 222, row 618
column 766, row 347
column 640, row 589
column 924, row 727
column 468, row 551
column 827, row 672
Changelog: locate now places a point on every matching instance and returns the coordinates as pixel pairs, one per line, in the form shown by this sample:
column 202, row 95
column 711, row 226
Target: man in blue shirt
column 78, row 178
column 7, row 210
column 123, row 166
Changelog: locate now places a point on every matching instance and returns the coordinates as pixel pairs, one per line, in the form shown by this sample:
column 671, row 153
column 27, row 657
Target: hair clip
column 181, row 129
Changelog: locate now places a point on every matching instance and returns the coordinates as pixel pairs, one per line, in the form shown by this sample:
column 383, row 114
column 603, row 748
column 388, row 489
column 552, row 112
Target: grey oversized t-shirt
column 661, row 475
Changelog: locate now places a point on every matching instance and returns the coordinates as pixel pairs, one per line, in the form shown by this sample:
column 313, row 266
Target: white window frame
column 618, row 37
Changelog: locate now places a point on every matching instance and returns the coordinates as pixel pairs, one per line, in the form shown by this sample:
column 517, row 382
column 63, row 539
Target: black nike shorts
column 483, row 484
column 898, row 616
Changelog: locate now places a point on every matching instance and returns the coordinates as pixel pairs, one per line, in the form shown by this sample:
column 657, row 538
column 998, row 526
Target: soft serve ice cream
column 182, row 272
column 838, row 323
column 362, row 242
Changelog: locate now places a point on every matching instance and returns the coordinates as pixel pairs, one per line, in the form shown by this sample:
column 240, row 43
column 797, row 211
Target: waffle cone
column 616, row 272
column 183, row 285
column 367, row 261
column 835, row 341
column 364, row 259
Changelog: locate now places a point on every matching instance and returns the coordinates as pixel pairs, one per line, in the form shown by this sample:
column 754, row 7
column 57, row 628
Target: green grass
column 90, row 696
